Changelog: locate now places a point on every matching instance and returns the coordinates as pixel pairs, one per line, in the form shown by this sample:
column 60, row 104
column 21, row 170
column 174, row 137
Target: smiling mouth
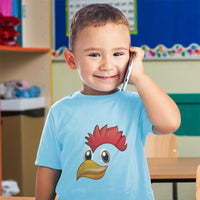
column 106, row 77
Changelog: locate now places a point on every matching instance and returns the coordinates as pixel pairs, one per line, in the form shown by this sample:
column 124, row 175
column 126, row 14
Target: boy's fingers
column 138, row 52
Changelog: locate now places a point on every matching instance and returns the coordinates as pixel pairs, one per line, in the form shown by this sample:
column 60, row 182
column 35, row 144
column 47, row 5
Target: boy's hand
column 138, row 69
column 160, row 108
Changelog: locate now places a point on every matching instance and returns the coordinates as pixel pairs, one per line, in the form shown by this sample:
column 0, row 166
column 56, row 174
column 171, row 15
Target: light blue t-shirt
column 98, row 143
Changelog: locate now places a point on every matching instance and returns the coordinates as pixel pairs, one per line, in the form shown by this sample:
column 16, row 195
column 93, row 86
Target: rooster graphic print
column 89, row 168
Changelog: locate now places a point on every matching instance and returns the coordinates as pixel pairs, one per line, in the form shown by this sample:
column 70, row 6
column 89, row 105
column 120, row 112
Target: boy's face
column 101, row 56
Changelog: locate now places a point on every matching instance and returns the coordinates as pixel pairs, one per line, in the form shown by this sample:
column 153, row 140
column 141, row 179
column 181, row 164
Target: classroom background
column 168, row 32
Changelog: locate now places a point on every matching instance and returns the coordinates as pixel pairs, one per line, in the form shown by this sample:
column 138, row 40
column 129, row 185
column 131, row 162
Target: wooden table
column 173, row 170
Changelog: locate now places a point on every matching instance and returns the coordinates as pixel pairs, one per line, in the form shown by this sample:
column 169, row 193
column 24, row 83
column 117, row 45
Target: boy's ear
column 69, row 58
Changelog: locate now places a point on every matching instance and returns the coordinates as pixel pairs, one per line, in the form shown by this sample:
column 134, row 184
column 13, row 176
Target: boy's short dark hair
column 94, row 15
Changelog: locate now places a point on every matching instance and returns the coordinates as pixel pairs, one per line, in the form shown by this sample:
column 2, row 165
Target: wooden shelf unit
column 32, row 62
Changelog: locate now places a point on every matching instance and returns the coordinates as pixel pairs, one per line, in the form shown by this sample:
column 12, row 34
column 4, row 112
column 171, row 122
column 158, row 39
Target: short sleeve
column 48, row 154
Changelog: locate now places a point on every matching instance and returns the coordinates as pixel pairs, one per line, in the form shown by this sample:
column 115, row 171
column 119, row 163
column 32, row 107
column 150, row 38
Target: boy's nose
column 106, row 64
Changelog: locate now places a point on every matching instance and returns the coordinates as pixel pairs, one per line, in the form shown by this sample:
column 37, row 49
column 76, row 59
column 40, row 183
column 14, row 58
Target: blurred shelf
column 22, row 49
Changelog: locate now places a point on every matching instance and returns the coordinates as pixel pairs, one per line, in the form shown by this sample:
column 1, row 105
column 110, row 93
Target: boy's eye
column 94, row 55
column 117, row 54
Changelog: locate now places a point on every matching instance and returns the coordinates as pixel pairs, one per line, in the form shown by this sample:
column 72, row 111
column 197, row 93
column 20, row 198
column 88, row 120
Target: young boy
column 92, row 147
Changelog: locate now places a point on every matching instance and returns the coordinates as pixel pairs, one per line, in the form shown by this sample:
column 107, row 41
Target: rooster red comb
column 106, row 135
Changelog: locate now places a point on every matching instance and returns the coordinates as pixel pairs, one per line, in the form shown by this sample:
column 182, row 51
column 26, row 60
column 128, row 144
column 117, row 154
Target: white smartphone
column 128, row 72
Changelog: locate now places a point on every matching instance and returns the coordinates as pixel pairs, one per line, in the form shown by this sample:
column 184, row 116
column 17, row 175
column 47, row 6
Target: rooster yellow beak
column 91, row 170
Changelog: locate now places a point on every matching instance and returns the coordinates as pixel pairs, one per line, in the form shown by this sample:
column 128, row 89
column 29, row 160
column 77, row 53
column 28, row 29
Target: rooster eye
column 88, row 154
column 104, row 156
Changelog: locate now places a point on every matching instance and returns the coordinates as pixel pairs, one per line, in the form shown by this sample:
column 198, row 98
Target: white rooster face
column 91, row 169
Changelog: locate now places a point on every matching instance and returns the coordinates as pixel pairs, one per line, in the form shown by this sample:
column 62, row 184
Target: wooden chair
column 198, row 183
column 163, row 146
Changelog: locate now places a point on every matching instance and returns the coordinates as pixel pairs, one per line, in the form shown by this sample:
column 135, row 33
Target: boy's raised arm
column 46, row 181
column 161, row 109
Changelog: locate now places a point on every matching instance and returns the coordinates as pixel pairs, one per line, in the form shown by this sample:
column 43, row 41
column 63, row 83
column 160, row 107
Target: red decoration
column 106, row 135
column 7, row 30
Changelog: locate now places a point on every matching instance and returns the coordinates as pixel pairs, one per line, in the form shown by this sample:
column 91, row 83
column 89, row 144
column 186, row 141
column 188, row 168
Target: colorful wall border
column 177, row 52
